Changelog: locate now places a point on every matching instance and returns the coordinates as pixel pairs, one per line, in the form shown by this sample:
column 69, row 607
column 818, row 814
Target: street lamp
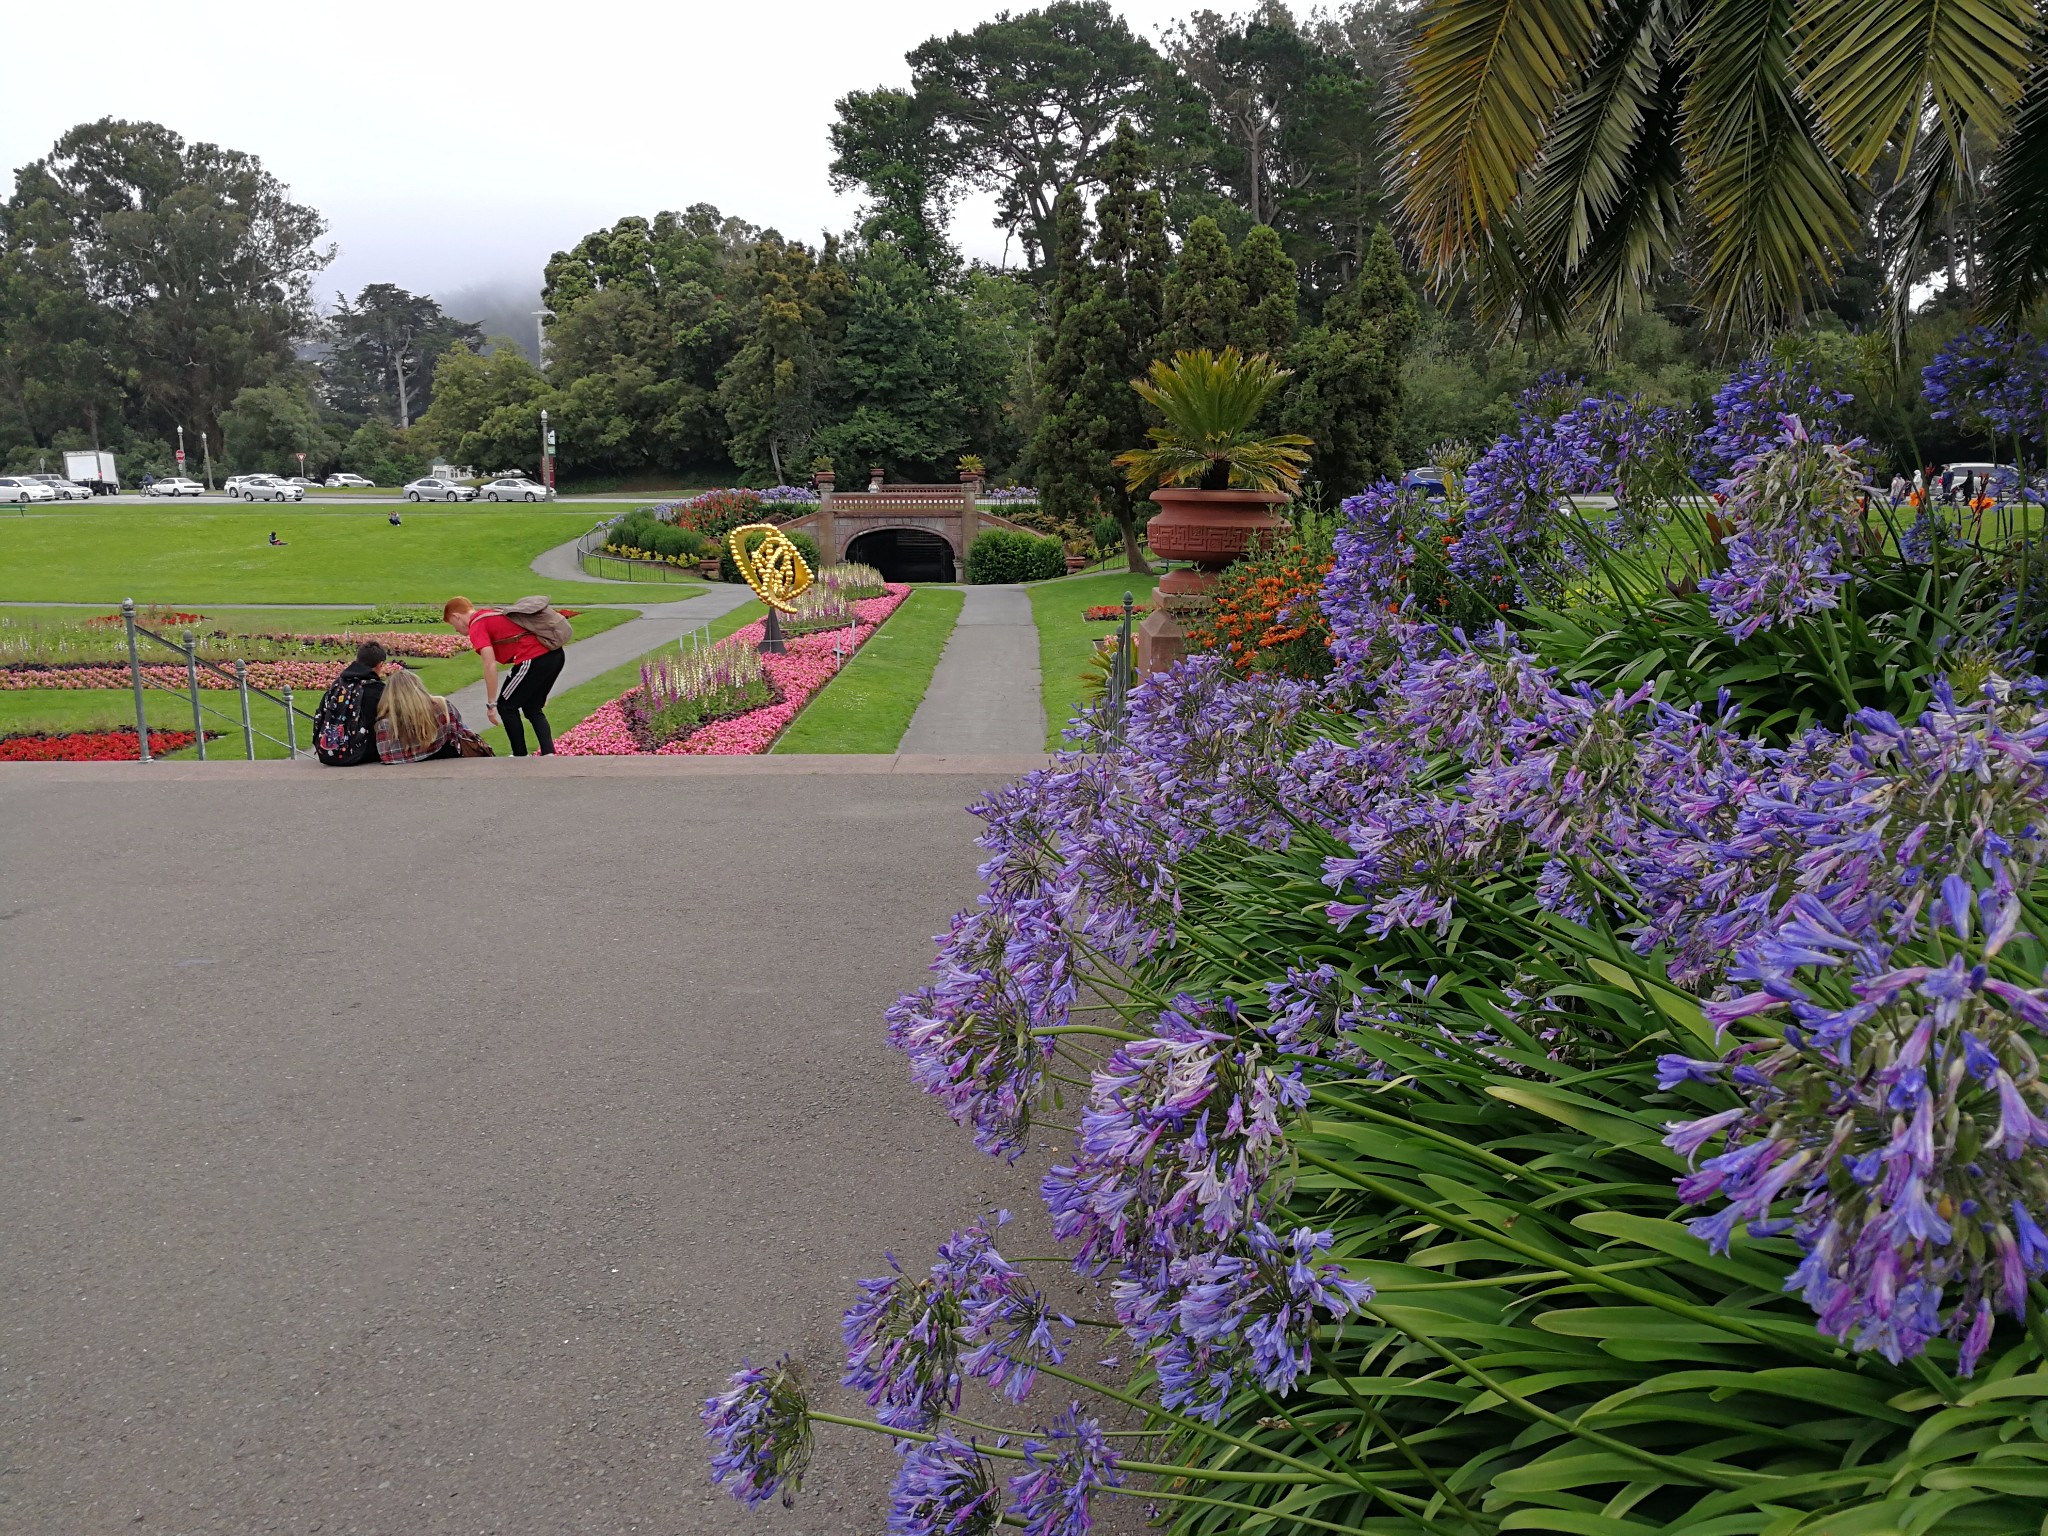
column 540, row 333
column 547, row 452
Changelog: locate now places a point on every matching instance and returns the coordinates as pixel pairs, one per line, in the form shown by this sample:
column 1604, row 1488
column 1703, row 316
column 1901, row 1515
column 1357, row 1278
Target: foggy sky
column 453, row 145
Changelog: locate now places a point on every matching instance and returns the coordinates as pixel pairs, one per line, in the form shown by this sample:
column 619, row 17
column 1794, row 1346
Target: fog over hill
column 504, row 307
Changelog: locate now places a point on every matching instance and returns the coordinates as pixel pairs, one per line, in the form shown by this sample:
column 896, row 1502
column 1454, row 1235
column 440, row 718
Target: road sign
column 181, row 455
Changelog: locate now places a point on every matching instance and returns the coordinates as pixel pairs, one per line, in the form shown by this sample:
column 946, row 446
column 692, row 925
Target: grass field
column 868, row 705
column 332, row 554
column 1066, row 637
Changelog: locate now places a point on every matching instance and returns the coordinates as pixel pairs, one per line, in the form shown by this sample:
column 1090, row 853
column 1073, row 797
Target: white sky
column 453, row 143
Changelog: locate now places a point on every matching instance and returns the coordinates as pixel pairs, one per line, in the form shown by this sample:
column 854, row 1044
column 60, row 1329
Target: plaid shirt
column 391, row 750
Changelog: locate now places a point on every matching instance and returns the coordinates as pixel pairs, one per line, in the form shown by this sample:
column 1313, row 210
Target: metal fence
column 187, row 650
column 1123, row 668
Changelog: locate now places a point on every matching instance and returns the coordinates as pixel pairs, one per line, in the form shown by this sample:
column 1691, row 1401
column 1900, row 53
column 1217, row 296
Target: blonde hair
column 415, row 714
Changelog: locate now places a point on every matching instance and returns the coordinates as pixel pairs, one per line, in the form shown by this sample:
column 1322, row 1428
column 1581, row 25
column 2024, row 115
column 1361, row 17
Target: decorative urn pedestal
column 1210, row 528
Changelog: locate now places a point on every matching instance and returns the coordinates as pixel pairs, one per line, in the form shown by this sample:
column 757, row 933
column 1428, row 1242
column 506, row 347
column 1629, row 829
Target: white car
column 175, row 485
column 345, row 482
column 67, row 490
column 513, row 488
column 433, row 488
column 300, row 481
column 23, row 489
column 264, row 488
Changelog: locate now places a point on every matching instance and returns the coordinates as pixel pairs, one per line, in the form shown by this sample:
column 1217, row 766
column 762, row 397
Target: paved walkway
column 389, row 1153
column 984, row 695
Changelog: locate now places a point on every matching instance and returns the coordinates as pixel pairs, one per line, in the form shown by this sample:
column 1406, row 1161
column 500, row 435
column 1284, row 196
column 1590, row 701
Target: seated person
column 275, row 541
column 413, row 725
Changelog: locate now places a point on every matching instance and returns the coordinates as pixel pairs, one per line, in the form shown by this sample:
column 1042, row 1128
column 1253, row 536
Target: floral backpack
column 340, row 738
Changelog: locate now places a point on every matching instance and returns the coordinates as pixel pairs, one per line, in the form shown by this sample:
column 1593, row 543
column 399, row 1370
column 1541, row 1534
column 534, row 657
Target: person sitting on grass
column 275, row 541
column 413, row 725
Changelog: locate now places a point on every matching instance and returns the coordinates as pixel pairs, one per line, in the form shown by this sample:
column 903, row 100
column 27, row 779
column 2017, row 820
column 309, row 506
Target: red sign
column 302, row 461
column 181, row 455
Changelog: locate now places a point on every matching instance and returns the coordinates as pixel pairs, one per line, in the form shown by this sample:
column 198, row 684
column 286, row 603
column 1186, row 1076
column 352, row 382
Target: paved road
column 984, row 694
column 401, row 1151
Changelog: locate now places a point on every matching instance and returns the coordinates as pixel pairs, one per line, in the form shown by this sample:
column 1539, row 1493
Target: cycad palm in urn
column 1218, row 478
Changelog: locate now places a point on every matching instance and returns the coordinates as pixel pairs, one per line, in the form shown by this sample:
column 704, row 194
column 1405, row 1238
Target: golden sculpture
column 775, row 568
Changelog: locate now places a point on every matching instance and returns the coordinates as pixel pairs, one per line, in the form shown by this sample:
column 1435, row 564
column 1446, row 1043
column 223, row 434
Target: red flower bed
column 273, row 675
column 89, row 746
column 148, row 618
column 1111, row 612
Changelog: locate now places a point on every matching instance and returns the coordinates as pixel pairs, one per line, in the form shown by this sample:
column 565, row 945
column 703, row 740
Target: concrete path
column 658, row 624
column 984, row 696
column 393, row 1154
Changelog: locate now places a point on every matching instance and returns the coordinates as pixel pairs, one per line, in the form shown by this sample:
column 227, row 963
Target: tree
column 194, row 254
column 383, row 455
column 486, row 410
column 269, row 425
column 1026, row 103
column 1204, row 303
column 772, row 393
column 1570, row 152
column 1266, row 321
column 1347, row 391
column 885, row 141
column 1105, row 331
column 385, row 344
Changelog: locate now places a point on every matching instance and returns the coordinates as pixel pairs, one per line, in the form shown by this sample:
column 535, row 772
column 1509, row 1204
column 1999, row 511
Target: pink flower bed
column 798, row 673
column 399, row 642
column 262, row 674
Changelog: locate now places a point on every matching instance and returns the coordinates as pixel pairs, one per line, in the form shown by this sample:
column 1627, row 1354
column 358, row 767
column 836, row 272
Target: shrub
column 805, row 544
column 999, row 557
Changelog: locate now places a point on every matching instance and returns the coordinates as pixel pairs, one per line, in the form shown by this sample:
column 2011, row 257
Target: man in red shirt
column 531, row 667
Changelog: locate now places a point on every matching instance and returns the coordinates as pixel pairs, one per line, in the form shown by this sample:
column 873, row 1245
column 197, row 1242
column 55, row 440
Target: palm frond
column 2016, row 223
column 1776, row 212
column 1480, row 86
column 1930, row 177
column 1867, row 65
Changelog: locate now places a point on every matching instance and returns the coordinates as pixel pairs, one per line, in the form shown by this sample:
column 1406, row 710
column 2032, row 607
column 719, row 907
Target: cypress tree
column 1068, row 455
column 1266, row 321
column 1204, row 300
column 1347, row 392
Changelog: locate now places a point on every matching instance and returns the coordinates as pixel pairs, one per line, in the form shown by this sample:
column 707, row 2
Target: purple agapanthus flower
column 760, row 1431
column 944, row 1487
column 1791, row 508
column 1064, row 1468
column 1750, row 411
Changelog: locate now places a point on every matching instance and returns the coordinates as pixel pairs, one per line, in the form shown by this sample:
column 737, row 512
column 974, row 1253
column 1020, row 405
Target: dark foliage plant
column 1001, row 556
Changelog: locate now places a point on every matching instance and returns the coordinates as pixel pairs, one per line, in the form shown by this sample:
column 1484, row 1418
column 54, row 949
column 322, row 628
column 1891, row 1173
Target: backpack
column 537, row 616
column 340, row 739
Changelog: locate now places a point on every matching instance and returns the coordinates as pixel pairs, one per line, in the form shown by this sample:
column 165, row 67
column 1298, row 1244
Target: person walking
column 533, row 661
column 1898, row 488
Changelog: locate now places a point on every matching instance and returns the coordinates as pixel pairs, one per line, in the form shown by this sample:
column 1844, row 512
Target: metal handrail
column 1122, row 671
column 189, row 650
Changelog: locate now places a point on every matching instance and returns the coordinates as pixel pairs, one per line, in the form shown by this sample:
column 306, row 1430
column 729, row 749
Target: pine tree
column 1347, row 392
column 1204, row 300
column 1266, row 321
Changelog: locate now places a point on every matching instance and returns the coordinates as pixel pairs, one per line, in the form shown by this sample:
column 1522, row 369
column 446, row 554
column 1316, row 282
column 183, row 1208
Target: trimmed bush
column 805, row 544
column 1001, row 556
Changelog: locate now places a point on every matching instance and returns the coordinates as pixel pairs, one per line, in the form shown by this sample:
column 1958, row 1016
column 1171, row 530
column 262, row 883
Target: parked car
column 346, row 482
column 265, row 488
column 434, row 488
column 300, row 481
column 24, row 489
column 513, row 488
column 176, row 485
column 67, row 490
column 1428, row 479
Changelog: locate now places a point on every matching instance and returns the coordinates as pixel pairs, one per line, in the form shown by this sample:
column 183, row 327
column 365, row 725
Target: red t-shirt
column 491, row 631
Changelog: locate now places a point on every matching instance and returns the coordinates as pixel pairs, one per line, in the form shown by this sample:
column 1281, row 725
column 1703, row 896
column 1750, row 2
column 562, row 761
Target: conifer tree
column 1204, row 300
column 1266, row 320
column 1347, row 391
column 1068, row 452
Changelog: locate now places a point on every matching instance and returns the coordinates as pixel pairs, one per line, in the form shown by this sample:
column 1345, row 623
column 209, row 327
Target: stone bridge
column 907, row 532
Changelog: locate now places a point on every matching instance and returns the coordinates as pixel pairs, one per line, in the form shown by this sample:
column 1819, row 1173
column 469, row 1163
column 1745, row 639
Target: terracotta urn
column 1209, row 528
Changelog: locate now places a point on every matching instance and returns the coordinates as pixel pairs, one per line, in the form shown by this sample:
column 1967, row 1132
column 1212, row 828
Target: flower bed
column 93, row 674
column 117, row 746
column 808, row 664
column 396, row 642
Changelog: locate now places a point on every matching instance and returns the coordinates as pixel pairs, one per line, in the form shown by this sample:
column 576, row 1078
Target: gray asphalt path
column 984, row 694
column 398, row 1152
column 658, row 624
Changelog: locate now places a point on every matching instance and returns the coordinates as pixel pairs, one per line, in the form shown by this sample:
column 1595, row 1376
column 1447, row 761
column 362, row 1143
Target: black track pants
column 524, row 691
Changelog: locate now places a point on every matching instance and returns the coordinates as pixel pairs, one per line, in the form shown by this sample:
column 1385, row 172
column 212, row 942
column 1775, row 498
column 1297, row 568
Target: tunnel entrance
column 904, row 554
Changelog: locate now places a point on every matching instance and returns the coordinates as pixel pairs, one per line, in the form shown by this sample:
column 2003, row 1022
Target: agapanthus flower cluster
column 1623, row 444
column 1890, row 1131
column 1370, row 594
column 1993, row 379
column 1512, row 492
column 760, row 1433
column 1054, row 1495
column 1791, row 508
column 944, row 1487
column 1750, row 411
column 911, row 1343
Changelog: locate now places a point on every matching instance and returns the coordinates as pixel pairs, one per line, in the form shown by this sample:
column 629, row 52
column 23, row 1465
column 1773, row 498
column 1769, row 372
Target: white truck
column 85, row 468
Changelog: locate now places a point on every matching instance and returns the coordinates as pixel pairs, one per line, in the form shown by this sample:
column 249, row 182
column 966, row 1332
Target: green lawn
column 1065, row 637
column 573, row 705
column 868, row 705
column 194, row 556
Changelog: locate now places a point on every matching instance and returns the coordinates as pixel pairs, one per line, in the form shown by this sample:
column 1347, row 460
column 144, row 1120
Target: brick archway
column 949, row 514
column 904, row 553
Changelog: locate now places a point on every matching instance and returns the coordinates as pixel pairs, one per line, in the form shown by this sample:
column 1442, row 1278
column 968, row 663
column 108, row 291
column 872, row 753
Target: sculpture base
column 771, row 635
column 1161, row 641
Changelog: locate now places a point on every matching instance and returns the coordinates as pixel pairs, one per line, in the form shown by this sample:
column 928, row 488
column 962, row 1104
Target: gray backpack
column 537, row 616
